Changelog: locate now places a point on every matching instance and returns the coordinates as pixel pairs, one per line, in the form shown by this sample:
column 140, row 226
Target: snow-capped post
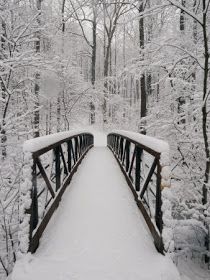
column 141, row 172
column 166, row 207
column 53, row 175
column 25, row 203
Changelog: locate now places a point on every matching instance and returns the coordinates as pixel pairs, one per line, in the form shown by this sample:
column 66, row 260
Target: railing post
column 127, row 155
column 85, row 142
column 57, row 168
column 118, row 146
column 80, row 145
column 138, row 167
column 76, row 148
column 34, row 219
column 88, row 141
column 69, row 147
column 158, row 212
column 115, row 144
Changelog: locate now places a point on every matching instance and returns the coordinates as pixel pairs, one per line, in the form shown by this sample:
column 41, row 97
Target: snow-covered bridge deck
column 97, row 233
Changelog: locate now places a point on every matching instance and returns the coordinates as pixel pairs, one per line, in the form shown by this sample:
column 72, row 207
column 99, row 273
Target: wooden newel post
column 158, row 211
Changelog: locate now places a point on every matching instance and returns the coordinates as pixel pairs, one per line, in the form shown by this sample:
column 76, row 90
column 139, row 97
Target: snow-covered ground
column 97, row 233
column 190, row 270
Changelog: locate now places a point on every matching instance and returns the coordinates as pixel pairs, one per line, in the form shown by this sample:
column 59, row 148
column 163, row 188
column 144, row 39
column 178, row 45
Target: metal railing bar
column 64, row 162
column 126, row 151
column 132, row 161
column 147, row 149
column 39, row 230
column 54, row 145
column 41, row 192
column 148, row 178
column 44, row 176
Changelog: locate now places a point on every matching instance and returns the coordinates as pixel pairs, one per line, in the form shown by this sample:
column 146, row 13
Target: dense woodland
column 135, row 65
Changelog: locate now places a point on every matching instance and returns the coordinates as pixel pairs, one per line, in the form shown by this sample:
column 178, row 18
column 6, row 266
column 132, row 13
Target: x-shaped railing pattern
column 52, row 169
column 142, row 169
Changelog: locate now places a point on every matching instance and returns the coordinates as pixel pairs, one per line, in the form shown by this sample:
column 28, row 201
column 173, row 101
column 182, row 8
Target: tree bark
column 143, row 109
column 5, row 102
column 37, row 75
column 93, row 65
column 182, row 18
column 204, row 109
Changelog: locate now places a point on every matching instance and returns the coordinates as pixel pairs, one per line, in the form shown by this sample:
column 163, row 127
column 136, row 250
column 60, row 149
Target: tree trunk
column 182, row 18
column 4, row 102
column 93, row 67
column 204, row 109
column 142, row 79
column 37, row 75
column 204, row 117
column 58, row 114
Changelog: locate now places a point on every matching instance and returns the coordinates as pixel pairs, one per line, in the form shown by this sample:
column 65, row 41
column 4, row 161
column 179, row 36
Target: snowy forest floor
column 97, row 231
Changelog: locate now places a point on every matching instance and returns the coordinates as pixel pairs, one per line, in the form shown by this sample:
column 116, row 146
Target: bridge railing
column 144, row 161
column 49, row 164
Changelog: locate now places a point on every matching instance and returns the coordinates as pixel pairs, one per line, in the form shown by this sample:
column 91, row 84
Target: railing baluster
column 80, row 146
column 57, row 168
column 138, row 166
column 127, row 155
column 76, row 148
column 132, row 162
column 158, row 212
column 34, row 204
column 151, row 171
column 69, row 147
column 121, row 147
column 118, row 146
column 64, row 161
column 44, row 175
column 115, row 145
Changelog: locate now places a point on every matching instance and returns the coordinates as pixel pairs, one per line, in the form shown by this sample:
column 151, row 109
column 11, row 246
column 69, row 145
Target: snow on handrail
column 153, row 143
column 36, row 144
column 49, row 175
column 119, row 141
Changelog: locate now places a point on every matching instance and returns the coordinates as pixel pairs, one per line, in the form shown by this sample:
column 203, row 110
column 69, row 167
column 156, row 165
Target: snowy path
column 97, row 233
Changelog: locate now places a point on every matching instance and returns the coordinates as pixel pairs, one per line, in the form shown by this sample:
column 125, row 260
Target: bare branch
column 189, row 13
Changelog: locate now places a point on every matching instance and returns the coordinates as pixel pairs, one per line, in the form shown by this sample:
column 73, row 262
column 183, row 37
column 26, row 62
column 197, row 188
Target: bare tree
column 112, row 13
column 83, row 20
column 37, row 74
